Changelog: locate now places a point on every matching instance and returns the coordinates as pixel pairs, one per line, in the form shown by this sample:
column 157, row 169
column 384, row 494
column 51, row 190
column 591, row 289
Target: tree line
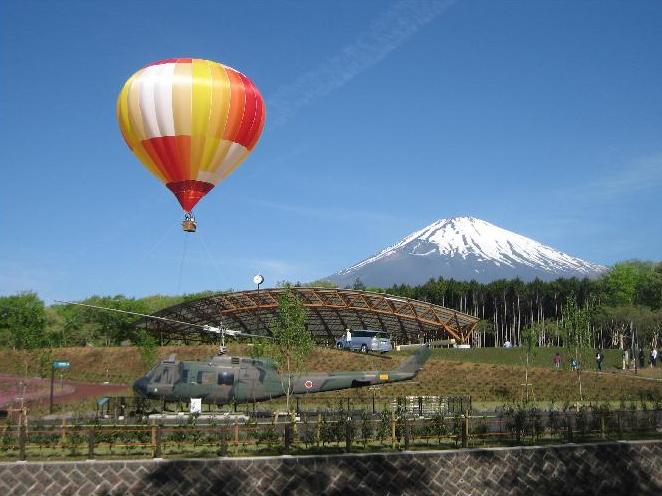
column 27, row 323
column 623, row 309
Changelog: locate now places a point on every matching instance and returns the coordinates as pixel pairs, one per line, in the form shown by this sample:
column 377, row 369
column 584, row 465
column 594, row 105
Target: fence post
column 156, row 441
column 420, row 406
column 407, row 434
column 91, row 440
column 318, row 426
column 373, row 403
column 224, row 440
column 568, row 420
column 22, row 440
column 602, row 426
column 465, row 430
column 620, row 427
column 63, row 433
column 236, row 437
column 393, row 430
column 348, row 435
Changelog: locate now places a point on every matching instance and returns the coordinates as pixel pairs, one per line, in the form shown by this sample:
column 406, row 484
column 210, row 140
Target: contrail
column 387, row 32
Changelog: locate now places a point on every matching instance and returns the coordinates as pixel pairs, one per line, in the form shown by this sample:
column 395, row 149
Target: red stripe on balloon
column 237, row 105
column 183, row 156
column 250, row 106
column 258, row 123
column 158, row 156
column 171, row 154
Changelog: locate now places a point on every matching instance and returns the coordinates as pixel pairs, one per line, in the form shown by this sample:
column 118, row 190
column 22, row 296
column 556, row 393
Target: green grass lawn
column 490, row 376
column 541, row 357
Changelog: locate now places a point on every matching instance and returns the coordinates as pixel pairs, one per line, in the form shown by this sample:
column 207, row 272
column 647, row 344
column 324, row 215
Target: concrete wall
column 608, row 468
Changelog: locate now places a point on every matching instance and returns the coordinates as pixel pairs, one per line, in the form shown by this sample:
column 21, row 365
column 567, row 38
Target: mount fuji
column 465, row 248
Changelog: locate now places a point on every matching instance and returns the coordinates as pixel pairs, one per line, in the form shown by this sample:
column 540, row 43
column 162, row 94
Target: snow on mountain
column 465, row 248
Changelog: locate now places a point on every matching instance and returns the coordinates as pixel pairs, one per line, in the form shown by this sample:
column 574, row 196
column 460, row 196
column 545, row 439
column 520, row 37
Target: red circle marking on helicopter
column 308, row 384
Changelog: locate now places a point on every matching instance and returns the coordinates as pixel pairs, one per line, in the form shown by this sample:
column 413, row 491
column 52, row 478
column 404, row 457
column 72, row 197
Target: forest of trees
column 623, row 308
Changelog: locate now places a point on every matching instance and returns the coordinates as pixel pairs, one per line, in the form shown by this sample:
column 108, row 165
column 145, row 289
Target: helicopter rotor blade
column 231, row 332
column 203, row 327
column 130, row 313
column 253, row 335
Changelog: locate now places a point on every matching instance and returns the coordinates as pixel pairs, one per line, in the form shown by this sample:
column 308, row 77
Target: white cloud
column 386, row 33
column 635, row 177
column 331, row 213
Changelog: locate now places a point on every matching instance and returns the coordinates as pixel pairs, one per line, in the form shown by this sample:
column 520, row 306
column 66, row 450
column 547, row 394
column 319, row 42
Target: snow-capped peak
column 478, row 242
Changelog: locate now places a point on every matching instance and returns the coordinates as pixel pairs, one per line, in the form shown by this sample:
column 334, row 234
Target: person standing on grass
column 599, row 357
column 654, row 357
column 557, row 360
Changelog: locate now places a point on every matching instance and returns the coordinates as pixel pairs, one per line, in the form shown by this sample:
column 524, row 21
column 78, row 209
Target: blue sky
column 544, row 118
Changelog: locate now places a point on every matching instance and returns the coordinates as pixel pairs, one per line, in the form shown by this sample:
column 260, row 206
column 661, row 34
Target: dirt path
column 36, row 390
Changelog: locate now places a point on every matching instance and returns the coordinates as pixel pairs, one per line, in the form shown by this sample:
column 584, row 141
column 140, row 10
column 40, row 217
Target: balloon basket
column 189, row 225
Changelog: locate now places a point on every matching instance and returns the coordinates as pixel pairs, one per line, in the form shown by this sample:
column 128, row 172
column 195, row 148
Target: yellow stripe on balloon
column 123, row 119
column 220, row 100
column 201, row 94
column 181, row 99
column 218, row 115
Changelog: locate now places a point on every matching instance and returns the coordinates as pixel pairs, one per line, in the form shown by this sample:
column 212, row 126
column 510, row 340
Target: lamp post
column 258, row 279
column 56, row 364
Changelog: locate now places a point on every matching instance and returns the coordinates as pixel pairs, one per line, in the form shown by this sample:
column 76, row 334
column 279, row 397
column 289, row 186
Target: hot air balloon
column 190, row 122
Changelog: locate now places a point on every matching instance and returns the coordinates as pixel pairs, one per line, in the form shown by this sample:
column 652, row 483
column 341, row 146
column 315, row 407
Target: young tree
column 529, row 340
column 576, row 327
column 146, row 347
column 292, row 342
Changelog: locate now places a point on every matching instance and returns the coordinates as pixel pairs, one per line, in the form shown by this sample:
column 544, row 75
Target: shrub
column 366, row 428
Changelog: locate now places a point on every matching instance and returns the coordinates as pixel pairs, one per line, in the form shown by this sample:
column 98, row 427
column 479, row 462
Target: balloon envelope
column 191, row 122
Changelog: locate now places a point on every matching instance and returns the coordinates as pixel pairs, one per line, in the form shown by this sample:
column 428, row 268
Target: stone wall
column 604, row 468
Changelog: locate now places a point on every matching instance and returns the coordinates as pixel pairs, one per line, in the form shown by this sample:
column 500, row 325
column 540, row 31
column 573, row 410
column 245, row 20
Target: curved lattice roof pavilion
column 329, row 313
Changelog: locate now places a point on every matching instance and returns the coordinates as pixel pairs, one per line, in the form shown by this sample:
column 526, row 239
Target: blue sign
column 60, row 364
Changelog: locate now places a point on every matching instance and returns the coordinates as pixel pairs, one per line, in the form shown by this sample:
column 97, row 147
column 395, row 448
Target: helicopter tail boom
column 415, row 362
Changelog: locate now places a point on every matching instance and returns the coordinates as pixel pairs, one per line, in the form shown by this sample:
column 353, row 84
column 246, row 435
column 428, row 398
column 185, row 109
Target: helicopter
column 225, row 379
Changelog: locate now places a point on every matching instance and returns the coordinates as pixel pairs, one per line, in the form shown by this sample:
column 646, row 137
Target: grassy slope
column 488, row 375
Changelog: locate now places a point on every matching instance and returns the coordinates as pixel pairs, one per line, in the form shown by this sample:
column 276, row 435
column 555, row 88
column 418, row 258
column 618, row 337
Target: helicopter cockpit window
column 226, row 378
column 156, row 375
column 167, row 376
